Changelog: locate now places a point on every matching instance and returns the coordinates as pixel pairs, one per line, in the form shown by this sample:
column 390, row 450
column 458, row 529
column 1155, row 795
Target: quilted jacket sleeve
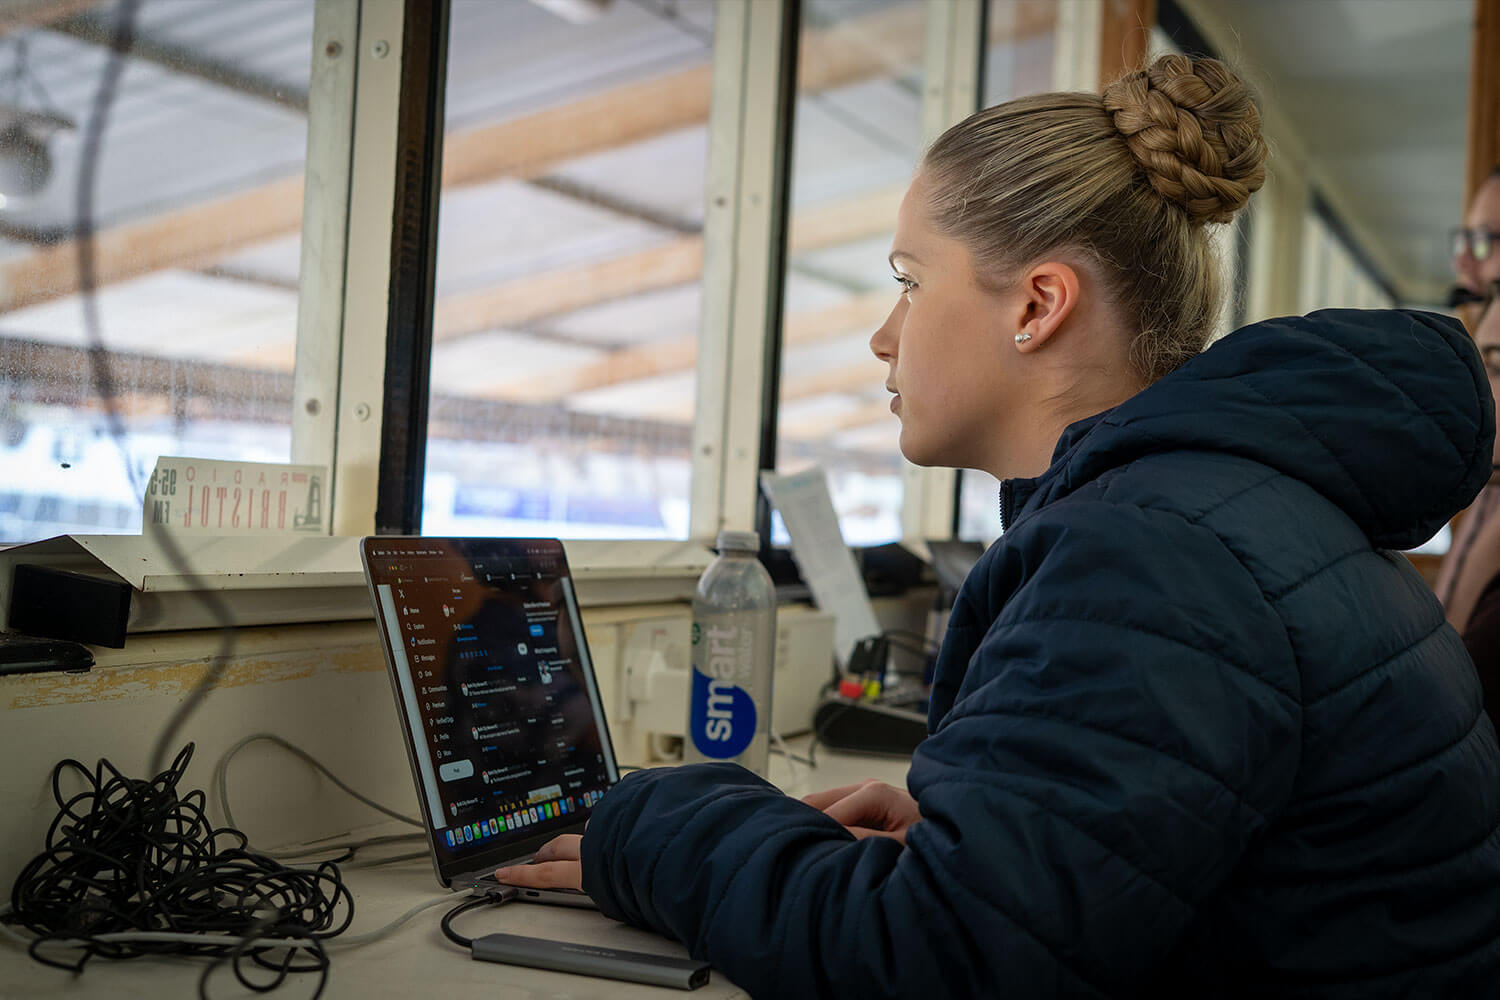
column 1121, row 734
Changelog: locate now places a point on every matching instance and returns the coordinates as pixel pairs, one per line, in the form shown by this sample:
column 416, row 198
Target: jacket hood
column 1388, row 414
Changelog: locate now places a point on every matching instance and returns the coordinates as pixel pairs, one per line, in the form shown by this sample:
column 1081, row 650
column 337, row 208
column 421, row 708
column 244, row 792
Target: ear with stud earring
column 1022, row 338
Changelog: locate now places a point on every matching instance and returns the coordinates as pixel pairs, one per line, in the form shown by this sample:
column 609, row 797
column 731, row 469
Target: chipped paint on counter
column 172, row 664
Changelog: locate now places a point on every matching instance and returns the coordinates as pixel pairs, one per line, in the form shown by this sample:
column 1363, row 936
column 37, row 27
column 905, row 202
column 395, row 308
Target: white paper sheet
column 821, row 555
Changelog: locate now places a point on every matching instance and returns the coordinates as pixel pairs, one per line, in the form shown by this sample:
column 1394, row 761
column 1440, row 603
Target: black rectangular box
column 61, row 604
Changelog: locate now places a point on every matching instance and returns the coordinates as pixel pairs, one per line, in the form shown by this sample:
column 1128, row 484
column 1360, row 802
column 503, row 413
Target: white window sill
column 313, row 578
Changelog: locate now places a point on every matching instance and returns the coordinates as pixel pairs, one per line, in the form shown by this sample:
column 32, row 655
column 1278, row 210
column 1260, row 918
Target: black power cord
column 132, row 868
column 465, row 907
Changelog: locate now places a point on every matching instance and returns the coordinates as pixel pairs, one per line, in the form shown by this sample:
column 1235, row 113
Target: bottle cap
column 738, row 541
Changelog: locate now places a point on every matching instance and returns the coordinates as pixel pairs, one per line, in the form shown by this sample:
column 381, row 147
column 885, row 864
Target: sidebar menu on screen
column 414, row 720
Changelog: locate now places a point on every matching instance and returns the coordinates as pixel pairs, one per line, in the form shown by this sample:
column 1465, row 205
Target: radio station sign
column 204, row 496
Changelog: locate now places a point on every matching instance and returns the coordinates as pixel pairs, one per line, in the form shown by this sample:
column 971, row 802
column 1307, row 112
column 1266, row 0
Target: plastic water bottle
column 734, row 648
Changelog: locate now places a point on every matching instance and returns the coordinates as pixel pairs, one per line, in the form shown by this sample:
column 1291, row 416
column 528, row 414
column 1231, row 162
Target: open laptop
column 497, row 697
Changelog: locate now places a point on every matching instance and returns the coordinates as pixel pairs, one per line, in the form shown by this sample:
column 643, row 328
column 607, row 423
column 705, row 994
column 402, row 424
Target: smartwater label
column 722, row 721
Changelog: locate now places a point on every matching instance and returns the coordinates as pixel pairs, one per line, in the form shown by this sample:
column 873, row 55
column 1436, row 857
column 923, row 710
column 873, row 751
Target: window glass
column 1332, row 275
column 569, row 264
column 857, row 138
column 197, row 206
column 1018, row 61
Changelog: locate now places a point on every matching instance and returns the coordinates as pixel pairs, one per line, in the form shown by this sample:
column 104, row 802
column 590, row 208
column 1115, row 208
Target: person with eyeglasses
column 1476, row 257
column 1473, row 560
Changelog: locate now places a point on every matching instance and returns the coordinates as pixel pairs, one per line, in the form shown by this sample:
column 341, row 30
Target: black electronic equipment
column 26, row 654
column 865, row 726
column 62, row 604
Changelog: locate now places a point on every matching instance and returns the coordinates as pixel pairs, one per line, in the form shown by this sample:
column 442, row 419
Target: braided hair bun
column 1194, row 129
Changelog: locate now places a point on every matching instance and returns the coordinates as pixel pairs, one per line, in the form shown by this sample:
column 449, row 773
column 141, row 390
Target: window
column 570, row 255
column 858, row 135
column 1333, row 275
column 197, row 206
column 1019, row 59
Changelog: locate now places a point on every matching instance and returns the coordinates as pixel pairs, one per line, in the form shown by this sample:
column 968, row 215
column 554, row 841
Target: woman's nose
column 883, row 342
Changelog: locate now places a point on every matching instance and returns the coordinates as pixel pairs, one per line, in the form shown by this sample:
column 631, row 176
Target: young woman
column 1195, row 730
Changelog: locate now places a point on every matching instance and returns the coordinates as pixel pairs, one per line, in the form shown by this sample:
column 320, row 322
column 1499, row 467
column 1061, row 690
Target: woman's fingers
column 543, row 875
column 567, row 847
column 554, row 866
column 875, row 806
column 822, row 800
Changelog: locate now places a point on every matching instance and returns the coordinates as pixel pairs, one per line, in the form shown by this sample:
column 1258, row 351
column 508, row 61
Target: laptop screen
column 495, row 690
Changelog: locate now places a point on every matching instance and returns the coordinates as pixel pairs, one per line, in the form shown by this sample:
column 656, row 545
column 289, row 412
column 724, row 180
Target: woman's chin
column 919, row 453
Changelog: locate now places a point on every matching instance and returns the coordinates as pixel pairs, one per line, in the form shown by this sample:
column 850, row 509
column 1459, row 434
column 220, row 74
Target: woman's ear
column 1049, row 295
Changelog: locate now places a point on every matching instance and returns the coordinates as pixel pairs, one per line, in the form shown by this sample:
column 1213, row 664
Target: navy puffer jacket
column 1196, row 731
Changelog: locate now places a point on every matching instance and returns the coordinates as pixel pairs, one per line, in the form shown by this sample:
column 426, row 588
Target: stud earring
column 1022, row 338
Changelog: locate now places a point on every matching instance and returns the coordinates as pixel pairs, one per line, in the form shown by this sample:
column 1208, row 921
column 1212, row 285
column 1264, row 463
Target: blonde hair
column 1128, row 177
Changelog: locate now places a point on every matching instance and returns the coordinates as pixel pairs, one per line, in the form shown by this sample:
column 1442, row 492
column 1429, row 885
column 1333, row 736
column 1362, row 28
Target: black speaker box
column 61, row 604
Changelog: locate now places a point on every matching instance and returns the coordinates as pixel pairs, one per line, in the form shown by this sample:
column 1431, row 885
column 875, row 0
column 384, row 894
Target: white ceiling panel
column 173, row 314
column 502, row 230
column 276, row 261
column 663, row 315
column 852, row 141
column 664, row 173
column 847, row 352
column 663, row 397
column 864, row 265
column 509, row 57
column 479, row 365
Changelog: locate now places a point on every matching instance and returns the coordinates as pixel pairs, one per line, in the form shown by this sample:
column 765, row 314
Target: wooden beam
column 865, row 312
column 1484, row 98
column 1125, row 32
column 523, row 148
column 860, row 375
column 554, row 293
column 188, row 237
column 23, row 15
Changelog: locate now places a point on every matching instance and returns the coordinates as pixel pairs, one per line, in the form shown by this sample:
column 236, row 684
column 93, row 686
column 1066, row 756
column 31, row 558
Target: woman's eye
column 906, row 283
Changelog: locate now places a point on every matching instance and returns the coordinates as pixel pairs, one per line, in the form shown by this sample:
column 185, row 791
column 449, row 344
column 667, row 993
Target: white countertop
column 416, row 960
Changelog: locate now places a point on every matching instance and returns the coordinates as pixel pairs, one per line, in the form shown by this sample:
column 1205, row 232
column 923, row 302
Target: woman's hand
column 869, row 809
column 555, row 866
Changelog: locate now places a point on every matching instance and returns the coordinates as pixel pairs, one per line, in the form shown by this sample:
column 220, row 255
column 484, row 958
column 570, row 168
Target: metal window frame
column 370, row 196
column 744, row 252
column 362, row 395
column 325, row 230
column 413, row 266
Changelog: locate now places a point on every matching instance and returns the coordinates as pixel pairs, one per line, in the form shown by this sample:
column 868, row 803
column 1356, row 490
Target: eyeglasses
column 1476, row 242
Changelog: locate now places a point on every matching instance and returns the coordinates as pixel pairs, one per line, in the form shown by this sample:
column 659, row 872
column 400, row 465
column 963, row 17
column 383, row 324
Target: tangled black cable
column 132, row 868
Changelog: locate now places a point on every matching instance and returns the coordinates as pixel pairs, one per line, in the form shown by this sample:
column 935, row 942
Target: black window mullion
column 414, row 222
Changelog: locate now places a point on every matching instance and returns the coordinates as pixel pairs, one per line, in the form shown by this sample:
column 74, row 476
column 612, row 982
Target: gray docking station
column 591, row 960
